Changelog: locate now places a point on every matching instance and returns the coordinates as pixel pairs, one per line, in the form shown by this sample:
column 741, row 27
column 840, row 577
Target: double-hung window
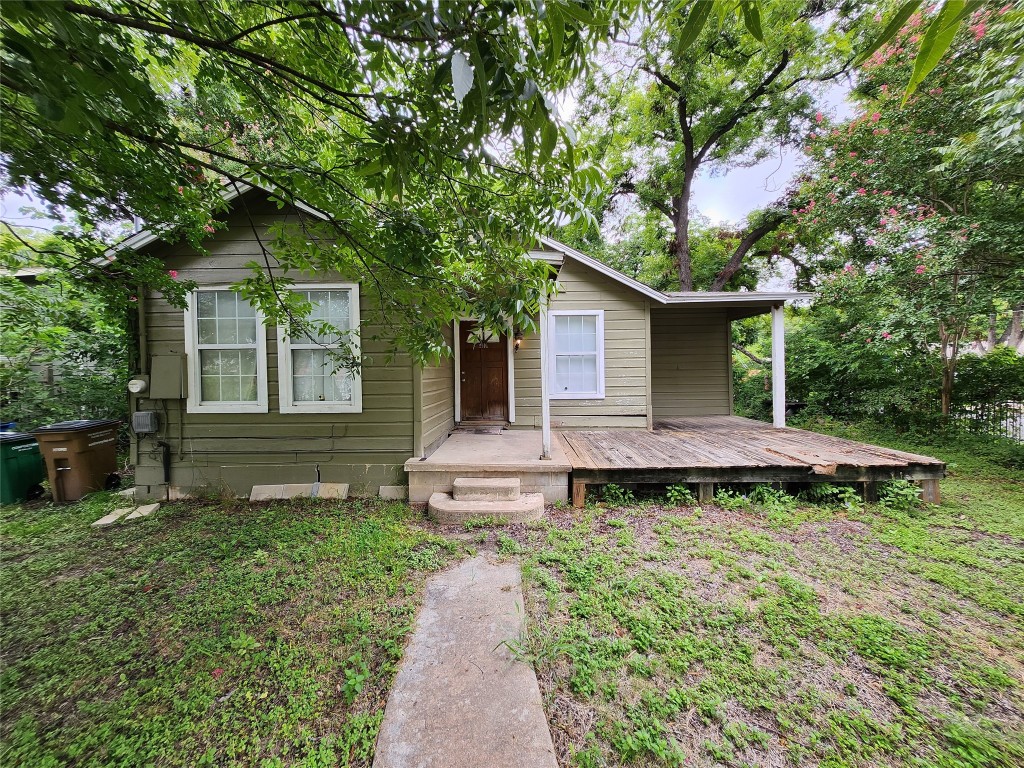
column 576, row 356
column 227, row 353
column 313, row 378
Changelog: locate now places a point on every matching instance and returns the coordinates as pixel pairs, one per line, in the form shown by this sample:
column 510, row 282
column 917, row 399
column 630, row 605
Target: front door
column 484, row 375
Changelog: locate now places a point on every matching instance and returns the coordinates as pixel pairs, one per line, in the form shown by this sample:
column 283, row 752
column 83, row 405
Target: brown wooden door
column 484, row 375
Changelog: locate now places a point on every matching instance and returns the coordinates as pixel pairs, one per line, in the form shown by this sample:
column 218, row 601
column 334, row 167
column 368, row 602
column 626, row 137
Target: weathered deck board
column 713, row 449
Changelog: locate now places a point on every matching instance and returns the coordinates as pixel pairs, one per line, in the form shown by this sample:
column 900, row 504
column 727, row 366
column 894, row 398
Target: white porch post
column 545, row 403
column 778, row 366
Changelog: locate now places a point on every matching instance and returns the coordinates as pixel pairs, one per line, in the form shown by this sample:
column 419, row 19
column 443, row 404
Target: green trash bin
column 21, row 467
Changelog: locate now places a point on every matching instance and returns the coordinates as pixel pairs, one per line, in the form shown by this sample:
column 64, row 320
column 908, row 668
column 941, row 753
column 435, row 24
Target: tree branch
column 745, row 107
column 744, row 351
column 770, row 224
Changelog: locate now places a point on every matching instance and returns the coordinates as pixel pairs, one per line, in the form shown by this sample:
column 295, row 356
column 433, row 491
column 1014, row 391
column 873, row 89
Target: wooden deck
column 729, row 449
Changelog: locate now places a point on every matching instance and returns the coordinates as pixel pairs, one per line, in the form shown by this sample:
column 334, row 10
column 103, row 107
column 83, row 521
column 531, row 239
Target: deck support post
column 705, row 492
column 545, row 402
column 778, row 366
column 930, row 491
column 870, row 492
column 579, row 493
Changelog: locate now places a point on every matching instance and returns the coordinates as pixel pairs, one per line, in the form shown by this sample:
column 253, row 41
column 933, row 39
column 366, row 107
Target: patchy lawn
column 220, row 633
column 776, row 633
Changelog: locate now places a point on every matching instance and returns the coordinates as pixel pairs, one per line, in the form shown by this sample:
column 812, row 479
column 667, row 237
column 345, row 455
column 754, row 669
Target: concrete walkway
column 460, row 699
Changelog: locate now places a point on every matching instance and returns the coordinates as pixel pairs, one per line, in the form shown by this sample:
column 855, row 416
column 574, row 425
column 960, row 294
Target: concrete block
column 144, row 511
column 332, row 491
column 444, row 509
column 111, row 518
column 485, row 488
column 395, row 492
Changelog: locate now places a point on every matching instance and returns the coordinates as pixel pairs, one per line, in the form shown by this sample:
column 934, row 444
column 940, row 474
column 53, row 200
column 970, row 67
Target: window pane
column 229, row 389
column 248, row 362
column 562, row 379
column 210, row 390
column 227, row 332
column 209, row 363
column 227, row 304
column 206, row 304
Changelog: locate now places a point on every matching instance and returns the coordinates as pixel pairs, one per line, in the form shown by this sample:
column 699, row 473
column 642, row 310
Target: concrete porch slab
column 513, row 453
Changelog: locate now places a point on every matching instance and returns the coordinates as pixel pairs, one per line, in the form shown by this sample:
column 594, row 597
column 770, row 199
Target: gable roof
column 231, row 191
column 748, row 299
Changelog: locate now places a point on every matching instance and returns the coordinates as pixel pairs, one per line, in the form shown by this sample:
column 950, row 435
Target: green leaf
column 895, row 25
column 695, row 22
column 936, row 41
column 548, row 137
column 752, row 19
column 557, row 35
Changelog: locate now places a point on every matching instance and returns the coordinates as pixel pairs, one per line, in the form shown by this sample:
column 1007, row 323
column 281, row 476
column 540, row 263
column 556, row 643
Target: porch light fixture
column 517, row 340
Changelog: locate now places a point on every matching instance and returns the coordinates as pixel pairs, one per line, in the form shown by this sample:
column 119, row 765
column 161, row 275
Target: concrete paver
column 460, row 699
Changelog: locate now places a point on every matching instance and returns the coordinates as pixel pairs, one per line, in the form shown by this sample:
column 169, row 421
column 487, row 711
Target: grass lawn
column 218, row 634
column 771, row 633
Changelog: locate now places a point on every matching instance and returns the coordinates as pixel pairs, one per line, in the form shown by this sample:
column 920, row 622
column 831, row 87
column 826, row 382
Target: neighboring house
column 239, row 406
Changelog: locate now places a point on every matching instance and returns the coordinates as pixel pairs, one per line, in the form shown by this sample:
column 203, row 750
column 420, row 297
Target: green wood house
column 232, row 403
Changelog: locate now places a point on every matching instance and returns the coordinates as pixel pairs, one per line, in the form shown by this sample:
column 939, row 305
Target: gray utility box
column 145, row 422
column 167, row 378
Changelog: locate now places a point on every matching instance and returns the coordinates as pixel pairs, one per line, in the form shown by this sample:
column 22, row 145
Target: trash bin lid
column 15, row 437
column 76, row 425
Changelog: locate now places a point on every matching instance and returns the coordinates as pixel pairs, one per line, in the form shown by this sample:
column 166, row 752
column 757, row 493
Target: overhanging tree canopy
column 425, row 131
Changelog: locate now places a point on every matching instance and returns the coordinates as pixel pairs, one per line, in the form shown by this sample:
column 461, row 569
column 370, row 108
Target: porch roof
column 740, row 303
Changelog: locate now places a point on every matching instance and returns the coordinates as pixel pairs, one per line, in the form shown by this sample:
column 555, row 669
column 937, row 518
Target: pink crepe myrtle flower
column 886, row 335
column 133, row 298
column 869, row 161
column 181, row 190
column 853, row 175
column 876, row 116
column 884, row 89
column 818, row 117
column 867, row 340
column 862, row 191
column 173, row 273
column 883, row 222
column 853, row 154
column 870, row 241
column 920, row 269
column 893, row 212
column 978, row 29
column 209, row 228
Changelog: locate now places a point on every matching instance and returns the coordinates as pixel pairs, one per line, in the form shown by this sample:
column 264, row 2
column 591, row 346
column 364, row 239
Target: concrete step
column 444, row 509
column 485, row 489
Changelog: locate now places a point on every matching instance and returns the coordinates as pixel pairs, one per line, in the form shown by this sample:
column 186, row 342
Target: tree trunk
column 1013, row 336
column 991, row 332
column 681, row 241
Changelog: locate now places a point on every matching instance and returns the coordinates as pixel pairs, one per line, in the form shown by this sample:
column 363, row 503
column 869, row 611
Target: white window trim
column 549, row 344
column 194, row 404
column 284, row 359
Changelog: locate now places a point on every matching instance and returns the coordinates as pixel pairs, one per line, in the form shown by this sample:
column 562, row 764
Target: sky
column 729, row 198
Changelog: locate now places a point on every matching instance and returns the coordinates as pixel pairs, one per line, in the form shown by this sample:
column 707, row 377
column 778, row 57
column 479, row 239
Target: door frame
column 510, row 352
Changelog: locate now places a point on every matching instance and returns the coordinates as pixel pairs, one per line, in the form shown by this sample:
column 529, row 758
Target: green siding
column 232, row 452
column 690, row 363
column 437, row 401
column 625, row 365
